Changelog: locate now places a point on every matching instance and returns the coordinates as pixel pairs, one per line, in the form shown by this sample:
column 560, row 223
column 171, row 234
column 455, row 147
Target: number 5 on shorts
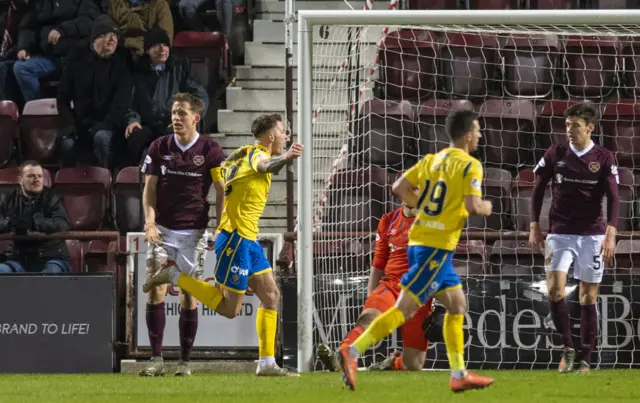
column 597, row 263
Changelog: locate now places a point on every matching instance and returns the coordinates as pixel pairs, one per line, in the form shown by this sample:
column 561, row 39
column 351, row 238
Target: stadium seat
column 515, row 258
column 431, row 133
column 627, row 257
column 521, row 201
column 621, row 131
column 39, row 131
column 615, row 4
column 497, row 189
column 433, row 4
column 357, row 200
column 8, row 130
column 631, row 63
column 530, row 63
column 408, row 64
column 492, row 4
column 470, row 258
column 591, row 64
column 86, row 193
column 507, row 129
column 75, row 255
column 386, row 134
column 127, row 201
column 550, row 4
column 469, row 65
column 550, row 124
column 9, row 179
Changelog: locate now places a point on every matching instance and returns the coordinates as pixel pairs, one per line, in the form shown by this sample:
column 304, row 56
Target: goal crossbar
column 454, row 19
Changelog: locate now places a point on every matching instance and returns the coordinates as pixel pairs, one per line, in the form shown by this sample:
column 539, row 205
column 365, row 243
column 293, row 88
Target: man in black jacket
column 47, row 33
column 34, row 208
column 158, row 76
column 97, row 79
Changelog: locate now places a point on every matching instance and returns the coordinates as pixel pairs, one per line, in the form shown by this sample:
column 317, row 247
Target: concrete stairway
column 260, row 88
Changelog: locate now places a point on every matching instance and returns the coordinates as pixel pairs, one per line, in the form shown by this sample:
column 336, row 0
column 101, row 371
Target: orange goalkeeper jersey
column 392, row 240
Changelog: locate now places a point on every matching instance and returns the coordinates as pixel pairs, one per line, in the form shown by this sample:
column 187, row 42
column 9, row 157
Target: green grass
column 387, row 387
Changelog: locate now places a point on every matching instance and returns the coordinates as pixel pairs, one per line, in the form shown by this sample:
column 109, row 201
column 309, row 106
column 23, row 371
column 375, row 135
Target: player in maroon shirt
column 179, row 170
column 582, row 173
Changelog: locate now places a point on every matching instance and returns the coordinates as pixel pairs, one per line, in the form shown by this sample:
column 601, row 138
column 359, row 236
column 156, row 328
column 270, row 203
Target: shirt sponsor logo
column 476, row 184
column 594, row 166
column 167, row 157
column 166, row 171
column 198, row 160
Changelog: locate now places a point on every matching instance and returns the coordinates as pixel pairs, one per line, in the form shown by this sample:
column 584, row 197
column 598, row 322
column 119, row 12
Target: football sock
column 204, row 292
column 454, row 341
column 188, row 326
column 560, row 316
column 352, row 335
column 266, row 325
column 156, row 320
column 398, row 364
column 380, row 328
column 588, row 330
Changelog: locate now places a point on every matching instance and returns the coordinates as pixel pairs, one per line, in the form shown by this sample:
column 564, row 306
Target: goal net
column 380, row 97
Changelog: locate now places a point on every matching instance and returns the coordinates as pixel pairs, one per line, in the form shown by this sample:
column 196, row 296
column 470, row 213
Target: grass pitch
column 385, row 387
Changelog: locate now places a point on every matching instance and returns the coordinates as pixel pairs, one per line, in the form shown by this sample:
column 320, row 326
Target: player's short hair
column 28, row 163
column 584, row 111
column 459, row 123
column 197, row 104
column 264, row 123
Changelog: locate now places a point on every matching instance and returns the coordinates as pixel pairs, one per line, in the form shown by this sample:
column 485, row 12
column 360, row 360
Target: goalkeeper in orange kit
column 390, row 263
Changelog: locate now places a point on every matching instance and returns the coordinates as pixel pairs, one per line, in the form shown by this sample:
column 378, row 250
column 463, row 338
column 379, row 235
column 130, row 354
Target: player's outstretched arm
column 275, row 164
column 149, row 197
column 405, row 191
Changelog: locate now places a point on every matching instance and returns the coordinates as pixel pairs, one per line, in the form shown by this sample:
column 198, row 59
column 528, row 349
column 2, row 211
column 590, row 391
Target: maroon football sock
column 156, row 320
column 188, row 325
column 588, row 330
column 560, row 316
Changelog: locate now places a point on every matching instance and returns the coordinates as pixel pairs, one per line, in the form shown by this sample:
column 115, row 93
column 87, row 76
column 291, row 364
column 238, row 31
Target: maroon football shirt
column 579, row 183
column 184, row 180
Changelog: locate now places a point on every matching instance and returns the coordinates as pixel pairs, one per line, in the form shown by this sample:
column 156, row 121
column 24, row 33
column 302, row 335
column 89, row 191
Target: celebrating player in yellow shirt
column 240, row 259
column 450, row 185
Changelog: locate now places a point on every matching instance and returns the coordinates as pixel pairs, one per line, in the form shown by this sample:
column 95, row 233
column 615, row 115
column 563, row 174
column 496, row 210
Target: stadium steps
column 273, row 32
column 274, row 10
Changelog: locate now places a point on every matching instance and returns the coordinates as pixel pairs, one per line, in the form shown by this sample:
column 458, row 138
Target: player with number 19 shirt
column 582, row 174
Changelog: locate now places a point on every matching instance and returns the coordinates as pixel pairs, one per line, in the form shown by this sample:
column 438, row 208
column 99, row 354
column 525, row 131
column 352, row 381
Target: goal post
column 349, row 163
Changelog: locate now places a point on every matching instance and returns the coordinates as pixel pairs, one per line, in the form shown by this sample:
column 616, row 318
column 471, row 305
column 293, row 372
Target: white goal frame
column 307, row 19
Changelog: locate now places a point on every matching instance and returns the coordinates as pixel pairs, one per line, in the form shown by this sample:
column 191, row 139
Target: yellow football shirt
column 246, row 191
column 444, row 179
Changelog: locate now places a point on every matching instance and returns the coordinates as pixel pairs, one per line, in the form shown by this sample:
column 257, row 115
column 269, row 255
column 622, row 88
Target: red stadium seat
column 9, row 179
column 469, row 64
column 616, row 4
column 529, row 65
column 550, row 124
column 591, row 65
column 470, row 258
column 621, row 131
column 75, row 255
column 39, row 128
column 357, row 200
column 627, row 257
column 432, row 135
column 631, row 73
column 521, row 201
column 507, row 132
column 127, row 201
column 492, row 4
column 86, row 193
column 408, row 64
column 551, row 4
column 8, row 130
column 387, row 134
column 433, row 4
column 515, row 257
column 497, row 189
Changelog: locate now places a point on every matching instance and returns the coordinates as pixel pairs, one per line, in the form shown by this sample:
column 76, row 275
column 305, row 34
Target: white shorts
column 186, row 249
column 581, row 250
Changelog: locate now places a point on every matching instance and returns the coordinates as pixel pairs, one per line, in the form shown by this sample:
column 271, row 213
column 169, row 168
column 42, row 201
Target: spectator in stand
column 188, row 10
column 97, row 79
column 159, row 75
column 34, row 208
column 46, row 34
column 137, row 17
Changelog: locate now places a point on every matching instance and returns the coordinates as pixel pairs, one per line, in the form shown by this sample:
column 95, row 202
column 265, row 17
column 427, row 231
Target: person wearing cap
column 137, row 17
column 158, row 76
column 48, row 31
column 97, row 79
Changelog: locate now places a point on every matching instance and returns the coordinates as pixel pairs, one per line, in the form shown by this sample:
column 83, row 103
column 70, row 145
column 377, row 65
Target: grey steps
column 265, row 31
column 259, row 54
column 279, row 6
column 240, row 99
column 239, row 122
